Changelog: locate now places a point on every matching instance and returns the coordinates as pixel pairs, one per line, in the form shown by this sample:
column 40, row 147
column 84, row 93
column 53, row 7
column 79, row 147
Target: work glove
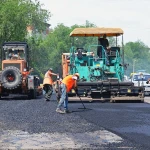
column 57, row 76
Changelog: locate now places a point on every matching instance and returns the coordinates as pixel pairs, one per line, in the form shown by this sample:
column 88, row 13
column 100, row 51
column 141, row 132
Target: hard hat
column 50, row 69
column 77, row 74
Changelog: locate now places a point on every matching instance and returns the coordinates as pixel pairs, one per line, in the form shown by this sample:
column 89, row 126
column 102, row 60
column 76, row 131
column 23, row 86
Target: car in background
column 140, row 79
column 126, row 78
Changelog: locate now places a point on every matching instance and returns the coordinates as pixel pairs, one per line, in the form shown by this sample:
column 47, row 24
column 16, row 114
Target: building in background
column 33, row 31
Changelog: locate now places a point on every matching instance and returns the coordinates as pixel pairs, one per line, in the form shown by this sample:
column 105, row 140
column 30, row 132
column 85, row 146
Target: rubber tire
column 18, row 77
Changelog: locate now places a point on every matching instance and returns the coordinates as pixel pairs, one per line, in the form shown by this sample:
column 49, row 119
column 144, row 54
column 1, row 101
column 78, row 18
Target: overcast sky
column 133, row 16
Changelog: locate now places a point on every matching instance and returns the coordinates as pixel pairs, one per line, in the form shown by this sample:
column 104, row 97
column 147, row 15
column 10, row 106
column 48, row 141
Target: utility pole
column 134, row 60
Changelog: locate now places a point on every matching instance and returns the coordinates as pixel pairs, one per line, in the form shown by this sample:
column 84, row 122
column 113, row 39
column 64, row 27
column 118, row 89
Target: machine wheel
column 32, row 94
column 11, row 77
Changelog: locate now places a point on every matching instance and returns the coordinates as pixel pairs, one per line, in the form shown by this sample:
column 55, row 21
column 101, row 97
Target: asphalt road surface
column 34, row 124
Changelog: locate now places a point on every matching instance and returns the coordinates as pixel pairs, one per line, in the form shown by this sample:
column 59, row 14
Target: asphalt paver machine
column 98, row 80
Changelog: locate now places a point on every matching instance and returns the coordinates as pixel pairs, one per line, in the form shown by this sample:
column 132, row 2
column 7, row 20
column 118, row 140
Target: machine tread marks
column 11, row 77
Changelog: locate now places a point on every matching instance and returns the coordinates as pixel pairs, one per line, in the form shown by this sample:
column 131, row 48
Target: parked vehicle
column 140, row 79
column 15, row 77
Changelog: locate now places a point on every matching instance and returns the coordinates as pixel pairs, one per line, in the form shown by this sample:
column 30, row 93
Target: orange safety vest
column 25, row 73
column 48, row 78
column 69, row 82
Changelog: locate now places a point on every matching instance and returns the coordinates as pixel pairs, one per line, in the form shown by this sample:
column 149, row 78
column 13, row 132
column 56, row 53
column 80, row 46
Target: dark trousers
column 99, row 51
column 49, row 90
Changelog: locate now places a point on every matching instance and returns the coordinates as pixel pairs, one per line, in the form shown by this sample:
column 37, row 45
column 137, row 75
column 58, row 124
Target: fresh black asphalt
column 130, row 121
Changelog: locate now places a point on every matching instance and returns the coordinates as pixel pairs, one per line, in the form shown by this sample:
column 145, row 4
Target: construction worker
column 68, row 83
column 26, row 73
column 47, row 83
column 104, row 42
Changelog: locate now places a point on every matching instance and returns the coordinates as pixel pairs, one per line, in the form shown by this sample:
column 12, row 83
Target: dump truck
column 15, row 76
column 99, row 81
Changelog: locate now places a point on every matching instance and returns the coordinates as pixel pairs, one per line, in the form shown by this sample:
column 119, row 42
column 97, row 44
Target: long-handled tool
column 80, row 99
column 84, row 108
column 81, row 102
column 57, row 88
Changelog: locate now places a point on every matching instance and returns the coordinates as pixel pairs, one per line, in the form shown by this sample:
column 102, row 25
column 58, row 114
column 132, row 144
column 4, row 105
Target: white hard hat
column 77, row 74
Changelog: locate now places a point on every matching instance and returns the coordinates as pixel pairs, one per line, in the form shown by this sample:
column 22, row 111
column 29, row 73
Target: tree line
column 45, row 52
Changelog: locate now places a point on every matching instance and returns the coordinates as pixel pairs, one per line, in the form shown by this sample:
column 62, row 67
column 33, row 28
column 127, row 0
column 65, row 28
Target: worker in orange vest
column 68, row 83
column 47, row 83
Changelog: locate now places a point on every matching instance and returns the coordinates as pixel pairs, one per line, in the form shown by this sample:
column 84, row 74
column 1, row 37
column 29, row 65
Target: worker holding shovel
column 68, row 83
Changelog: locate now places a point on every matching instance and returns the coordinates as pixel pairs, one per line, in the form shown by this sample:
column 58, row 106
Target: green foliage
column 137, row 55
column 58, row 41
column 16, row 15
column 47, row 52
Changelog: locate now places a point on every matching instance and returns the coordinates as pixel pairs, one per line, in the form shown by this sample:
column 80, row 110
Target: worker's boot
column 47, row 99
column 67, row 111
column 60, row 111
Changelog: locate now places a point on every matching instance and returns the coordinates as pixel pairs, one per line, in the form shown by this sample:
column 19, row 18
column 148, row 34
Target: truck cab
column 15, row 54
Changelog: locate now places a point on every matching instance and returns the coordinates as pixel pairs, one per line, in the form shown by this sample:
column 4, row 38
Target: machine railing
column 103, row 52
